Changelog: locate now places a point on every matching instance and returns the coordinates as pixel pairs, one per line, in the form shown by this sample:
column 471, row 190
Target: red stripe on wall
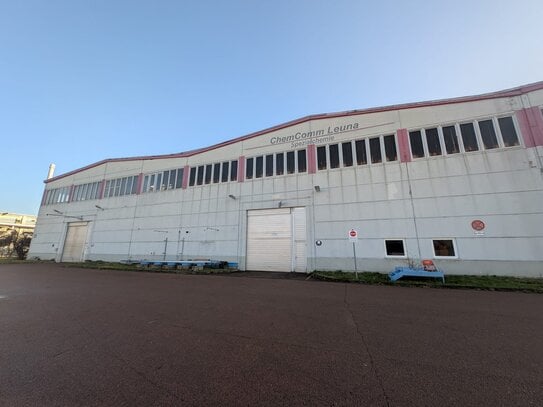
column 535, row 119
column 140, row 183
column 241, row 168
column 403, row 145
column 102, row 187
column 311, row 159
column 186, row 170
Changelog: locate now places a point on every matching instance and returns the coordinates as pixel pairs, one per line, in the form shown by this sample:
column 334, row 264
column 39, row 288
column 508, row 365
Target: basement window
column 395, row 248
column 444, row 248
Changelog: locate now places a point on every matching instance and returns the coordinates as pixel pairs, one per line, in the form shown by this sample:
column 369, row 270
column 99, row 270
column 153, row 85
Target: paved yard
column 87, row 337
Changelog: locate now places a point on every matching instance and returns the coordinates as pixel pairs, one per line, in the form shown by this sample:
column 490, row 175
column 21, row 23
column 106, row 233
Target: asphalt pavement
column 74, row 337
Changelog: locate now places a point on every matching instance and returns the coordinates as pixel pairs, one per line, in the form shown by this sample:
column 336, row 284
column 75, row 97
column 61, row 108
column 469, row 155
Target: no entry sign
column 353, row 235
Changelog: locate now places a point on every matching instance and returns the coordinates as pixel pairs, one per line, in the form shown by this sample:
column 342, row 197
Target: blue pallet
column 400, row 272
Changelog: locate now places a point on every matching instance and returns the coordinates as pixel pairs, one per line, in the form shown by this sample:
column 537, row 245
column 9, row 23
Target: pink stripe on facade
column 403, row 145
column 71, row 194
column 311, row 159
column 186, row 170
column 535, row 119
column 101, row 190
column 140, row 183
column 241, row 168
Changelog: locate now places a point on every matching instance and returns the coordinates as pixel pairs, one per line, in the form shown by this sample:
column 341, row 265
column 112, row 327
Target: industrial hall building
column 458, row 181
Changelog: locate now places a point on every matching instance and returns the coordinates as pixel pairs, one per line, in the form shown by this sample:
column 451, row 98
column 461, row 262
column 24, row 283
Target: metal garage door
column 76, row 237
column 276, row 240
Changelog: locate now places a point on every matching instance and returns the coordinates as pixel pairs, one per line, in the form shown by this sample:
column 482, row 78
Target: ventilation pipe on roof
column 51, row 171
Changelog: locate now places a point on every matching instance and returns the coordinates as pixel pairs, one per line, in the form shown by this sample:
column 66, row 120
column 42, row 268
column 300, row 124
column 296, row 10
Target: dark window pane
column 172, row 179
column 444, row 248
column 259, row 167
column 151, row 183
column 451, row 140
column 192, row 176
column 361, row 156
column 509, row 134
column 432, row 140
column 249, row 168
column 347, row 150
column 488, row 134
column 390, row 148
column 269, row 165
column 159, row 182
column 134, row 186
column 375, row 150
column 334, row 155
column 234, row 170
column 216, row 172
column 321, row 158
column 468, row 137
column 224, row 175
column 279, row 163
column 415, row 138
column 165, row 180
column 200, row 175
column 302, row 161
column 208, row 174
column 394, row 248
column 290, row 162
column 179, row 179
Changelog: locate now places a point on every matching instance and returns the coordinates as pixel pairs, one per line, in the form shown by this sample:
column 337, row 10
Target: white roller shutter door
column 74, row 244
column 276, row 240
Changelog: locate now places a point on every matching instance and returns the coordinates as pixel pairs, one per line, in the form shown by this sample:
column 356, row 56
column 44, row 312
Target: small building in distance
column 459, row 181
column 14, row 225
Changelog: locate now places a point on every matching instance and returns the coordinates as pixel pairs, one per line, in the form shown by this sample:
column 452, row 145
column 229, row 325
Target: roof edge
column 516, row 91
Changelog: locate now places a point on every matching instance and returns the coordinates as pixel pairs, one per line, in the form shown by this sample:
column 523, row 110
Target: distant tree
column 21, row 245
column 6, row 242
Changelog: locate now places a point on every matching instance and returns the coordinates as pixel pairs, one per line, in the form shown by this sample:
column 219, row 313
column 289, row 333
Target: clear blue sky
column 81, row 81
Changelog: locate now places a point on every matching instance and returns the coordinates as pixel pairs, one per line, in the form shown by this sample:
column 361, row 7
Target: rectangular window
column 468, row 137
column 269, row 165
column 509, row 134
column 279, row 164
column 432, row 141
column 179, row 179
column 216, row 172
column 395, row 248
column 347, row 150
column 249, row 168
column 488, row 134
column 451, row 140
column 302, row 161
column 225, row 169
column 333, row 150
column 122, row 190
column 234, row 170
column 390, row 148
column 117, row 190
column 321, row 158
column 290, row 162
column 259, row 162
column 415, row 139
column 171, row 184
column 152, row 183
column 200, row 175
column 375, row 150
column 444, row 248
column 165, row 180
column 207, row 178
column 192, row 176
column 361, row 155
column 158, row 184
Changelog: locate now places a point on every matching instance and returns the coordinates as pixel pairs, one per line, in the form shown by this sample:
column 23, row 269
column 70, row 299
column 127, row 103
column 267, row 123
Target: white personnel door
column 276, row 240
column 74, row 244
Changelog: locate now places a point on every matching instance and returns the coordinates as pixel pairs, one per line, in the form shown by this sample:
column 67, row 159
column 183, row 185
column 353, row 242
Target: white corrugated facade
column 459, row 181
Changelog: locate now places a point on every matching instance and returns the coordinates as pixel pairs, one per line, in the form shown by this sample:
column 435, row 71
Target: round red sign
column 478, row 225
column 352, row 233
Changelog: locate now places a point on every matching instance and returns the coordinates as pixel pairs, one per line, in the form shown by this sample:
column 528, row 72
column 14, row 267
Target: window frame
column 395, row 256
column 455, row 248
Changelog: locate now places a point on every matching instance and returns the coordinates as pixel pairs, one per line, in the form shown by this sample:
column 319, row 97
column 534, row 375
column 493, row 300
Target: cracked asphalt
column 71, row 337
